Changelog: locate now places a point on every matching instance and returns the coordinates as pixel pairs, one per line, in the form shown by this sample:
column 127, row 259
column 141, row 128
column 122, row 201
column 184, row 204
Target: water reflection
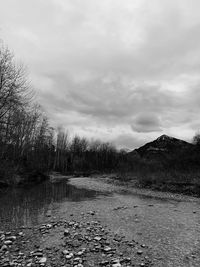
column 27, row 206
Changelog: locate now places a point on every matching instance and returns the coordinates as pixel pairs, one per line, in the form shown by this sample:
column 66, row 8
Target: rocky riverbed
column 76, row 242
column 88, row 222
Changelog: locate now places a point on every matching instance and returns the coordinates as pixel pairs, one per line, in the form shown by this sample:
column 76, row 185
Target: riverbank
column 24, row 179
column 157, row 182
column 167, row 223
column 163, row 226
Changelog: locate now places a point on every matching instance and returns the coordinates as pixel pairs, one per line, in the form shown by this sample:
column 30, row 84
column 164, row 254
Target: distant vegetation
column 167, row 164
column 25, row 137
column 30, row 148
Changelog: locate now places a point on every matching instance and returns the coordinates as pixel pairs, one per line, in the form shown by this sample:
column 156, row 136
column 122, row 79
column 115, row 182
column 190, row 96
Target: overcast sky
column 120, row 70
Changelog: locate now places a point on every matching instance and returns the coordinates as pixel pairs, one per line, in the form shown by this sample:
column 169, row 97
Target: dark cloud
column 146, row 123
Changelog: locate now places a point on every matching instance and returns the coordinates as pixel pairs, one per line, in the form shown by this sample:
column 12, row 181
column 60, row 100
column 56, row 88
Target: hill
column 162, row 147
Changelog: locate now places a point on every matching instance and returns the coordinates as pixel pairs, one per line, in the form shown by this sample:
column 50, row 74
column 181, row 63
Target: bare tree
column 62, row 151
column 14, row 87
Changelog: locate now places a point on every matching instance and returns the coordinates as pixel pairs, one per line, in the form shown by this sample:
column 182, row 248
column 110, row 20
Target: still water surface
column 26, row 206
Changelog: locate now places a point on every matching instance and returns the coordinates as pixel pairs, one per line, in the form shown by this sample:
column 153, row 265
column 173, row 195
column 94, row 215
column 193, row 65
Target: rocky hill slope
column 161, row 147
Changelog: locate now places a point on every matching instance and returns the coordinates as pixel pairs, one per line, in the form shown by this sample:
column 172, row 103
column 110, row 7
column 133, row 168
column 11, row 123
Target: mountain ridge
column 162, row 145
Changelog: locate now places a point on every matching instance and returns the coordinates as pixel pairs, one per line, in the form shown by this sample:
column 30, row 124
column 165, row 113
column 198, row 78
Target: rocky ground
column 81, row 241
column 118, row 226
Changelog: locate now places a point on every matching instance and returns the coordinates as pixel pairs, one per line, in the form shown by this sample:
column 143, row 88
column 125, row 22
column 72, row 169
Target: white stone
column 43, row 260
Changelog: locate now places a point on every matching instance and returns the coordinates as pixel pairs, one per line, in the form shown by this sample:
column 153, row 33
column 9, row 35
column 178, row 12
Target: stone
column 68, row 257
column 21, row 234
column 117, row 264
column 107, row 249
column 80, row 253
column 115, row 261
column 8, row 233
column 92, row 212
column 38, row 254
column 12, row 238
column 65, row 252
column 8, row 242
column 43, row 260
column 97, row 238
column 77, row 259
column 66, row 232
column 4, row 248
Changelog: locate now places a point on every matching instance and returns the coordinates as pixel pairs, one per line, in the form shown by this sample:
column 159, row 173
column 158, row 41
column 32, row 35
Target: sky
column 125, row 71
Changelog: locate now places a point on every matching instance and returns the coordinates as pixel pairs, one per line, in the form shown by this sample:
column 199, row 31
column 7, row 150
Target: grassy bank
column 174, row 181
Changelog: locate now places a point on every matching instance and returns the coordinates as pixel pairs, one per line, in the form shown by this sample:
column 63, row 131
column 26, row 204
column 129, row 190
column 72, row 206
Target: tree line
column 28, row 144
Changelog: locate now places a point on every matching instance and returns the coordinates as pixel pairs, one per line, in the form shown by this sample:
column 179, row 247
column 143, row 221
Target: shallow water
column 27, row 206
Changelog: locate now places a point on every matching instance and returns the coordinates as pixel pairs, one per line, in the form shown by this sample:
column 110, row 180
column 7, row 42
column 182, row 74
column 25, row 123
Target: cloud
column 146, row 123
column 129, row 141
column 114, row 69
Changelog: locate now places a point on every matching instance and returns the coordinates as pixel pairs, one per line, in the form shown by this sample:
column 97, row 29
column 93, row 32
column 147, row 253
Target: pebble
column 92, row 212
column 43, row 260
column 8, row 242
column 38, row 254
column 65, row 252
column 68, row 257
column 4, row 247
column 66, row 232
column 107, row 249
column 20, row 233
column 97, row 238
column 117, row 265
column 81, row 241
column 139, row 252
